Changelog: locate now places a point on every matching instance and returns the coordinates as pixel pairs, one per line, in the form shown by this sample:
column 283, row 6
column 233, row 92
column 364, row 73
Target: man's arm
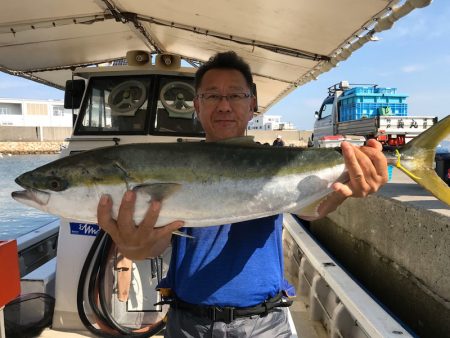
column 135, row 241
column 367, row 169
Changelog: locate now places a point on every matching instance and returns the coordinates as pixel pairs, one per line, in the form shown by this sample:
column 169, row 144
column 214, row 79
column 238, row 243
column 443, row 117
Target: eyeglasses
column 233, row 98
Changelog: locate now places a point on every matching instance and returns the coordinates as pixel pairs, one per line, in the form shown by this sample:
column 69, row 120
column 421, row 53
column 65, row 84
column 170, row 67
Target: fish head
column 56, row 188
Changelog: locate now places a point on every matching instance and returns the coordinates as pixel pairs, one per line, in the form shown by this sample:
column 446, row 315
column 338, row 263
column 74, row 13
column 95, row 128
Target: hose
column 93, row 271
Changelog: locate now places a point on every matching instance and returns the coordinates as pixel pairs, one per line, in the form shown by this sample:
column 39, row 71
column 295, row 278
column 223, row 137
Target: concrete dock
column 397, row 244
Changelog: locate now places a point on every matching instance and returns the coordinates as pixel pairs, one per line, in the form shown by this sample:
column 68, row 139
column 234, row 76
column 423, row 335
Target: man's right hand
column 135, row 241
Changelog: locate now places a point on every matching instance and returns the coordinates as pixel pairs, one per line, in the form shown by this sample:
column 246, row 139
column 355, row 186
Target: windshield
column 326, row 109
column 152, row 104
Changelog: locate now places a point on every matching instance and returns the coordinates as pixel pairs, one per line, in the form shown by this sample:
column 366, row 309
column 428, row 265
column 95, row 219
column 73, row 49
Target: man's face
column 224, row 118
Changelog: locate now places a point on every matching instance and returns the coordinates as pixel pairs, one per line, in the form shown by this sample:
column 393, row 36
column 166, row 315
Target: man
column 225, row 275
column 278, row 142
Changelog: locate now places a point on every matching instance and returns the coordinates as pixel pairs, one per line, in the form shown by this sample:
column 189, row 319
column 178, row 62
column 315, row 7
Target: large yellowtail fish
column 210, row 183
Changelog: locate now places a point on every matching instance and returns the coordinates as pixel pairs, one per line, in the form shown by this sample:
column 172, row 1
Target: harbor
column 137, row 116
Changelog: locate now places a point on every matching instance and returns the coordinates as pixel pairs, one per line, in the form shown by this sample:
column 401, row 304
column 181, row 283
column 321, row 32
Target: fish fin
column 122, row 170
column 242, row 140
column 422, row 150
column 428, row 179
column 311, row 210
column 158, row 191
column 182, row 234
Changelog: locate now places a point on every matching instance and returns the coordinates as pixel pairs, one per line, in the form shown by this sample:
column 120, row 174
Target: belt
column 227, row 314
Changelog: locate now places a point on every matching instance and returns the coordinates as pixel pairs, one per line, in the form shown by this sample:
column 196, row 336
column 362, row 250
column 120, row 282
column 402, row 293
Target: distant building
column 34, row 113
column 269, row 122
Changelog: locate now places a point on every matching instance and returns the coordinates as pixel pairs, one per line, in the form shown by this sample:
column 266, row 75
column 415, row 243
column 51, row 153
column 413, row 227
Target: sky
column 414, row 57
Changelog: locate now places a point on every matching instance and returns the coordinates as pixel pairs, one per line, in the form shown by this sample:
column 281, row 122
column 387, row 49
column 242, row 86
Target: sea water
column 17, row 219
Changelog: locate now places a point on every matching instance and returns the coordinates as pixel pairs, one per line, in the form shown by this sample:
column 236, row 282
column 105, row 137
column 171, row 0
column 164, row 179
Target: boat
column 100, row 52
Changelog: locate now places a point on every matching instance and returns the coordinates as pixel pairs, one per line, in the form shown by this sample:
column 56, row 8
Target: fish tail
column 416, row 159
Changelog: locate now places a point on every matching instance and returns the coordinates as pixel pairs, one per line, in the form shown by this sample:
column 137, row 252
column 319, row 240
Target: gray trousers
column 181, row 324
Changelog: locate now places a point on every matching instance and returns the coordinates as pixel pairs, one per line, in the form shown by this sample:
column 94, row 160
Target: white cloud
column 412, row 68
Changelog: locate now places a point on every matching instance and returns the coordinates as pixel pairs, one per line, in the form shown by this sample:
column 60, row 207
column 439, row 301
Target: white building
column 34, row 113
column 269, row 122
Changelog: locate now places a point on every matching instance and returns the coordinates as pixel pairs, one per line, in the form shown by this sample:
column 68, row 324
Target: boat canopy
column 287, row 42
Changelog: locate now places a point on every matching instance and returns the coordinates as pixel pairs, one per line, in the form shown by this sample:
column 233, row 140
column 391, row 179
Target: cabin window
column 157, row 104
column 175, row 112
column 116, row 105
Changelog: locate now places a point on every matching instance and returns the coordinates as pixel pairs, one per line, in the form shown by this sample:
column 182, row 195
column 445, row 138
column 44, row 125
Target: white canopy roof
column 286, row 42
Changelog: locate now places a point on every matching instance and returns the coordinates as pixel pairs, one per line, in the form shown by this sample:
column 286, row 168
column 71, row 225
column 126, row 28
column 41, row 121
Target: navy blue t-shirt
column 238, row 264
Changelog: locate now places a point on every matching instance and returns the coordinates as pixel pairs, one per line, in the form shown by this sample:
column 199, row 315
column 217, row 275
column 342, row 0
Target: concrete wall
column 297, row 138
column 401, row 253
column 33, row 134
column 56, row 133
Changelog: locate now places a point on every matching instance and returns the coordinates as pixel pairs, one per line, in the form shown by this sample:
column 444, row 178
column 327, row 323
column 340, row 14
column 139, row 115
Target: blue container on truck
column 367, row 102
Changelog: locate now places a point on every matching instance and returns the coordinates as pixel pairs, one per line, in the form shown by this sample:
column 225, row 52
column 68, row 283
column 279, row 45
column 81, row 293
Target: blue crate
column 369, row 90
column 356, row 111
column 359, row 90
column 364, row 90
column 387, row 90
column 399, row 109
column 367, row 102
column 373, row 98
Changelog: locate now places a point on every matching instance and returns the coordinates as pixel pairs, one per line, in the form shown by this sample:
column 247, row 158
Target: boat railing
column 330, row 293
column 37, row 247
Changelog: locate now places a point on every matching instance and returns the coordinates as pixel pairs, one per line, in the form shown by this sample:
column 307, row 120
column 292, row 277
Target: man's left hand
column 367, row 169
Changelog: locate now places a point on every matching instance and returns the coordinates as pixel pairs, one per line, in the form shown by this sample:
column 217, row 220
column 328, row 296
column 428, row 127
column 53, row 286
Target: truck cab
column 326, row 125
column 326, row 118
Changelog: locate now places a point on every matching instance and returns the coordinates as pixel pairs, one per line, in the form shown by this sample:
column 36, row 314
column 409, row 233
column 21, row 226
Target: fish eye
column 56, row 184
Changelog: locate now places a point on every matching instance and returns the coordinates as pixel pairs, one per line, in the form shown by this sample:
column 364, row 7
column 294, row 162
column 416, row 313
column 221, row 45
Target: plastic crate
column 369, row 90
column 368, row 102
column 373, row 98
column 395, row 109
column 383, row 90
column 357, row 111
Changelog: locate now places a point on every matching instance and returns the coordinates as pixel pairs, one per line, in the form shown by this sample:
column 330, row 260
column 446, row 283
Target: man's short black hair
column 225, row 60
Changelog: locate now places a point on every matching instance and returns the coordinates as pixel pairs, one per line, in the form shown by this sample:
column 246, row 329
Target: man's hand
column 367, row 169
column 135, row 241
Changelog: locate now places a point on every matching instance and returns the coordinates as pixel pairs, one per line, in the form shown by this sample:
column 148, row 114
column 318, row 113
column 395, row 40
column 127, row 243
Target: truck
column 358, row 112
